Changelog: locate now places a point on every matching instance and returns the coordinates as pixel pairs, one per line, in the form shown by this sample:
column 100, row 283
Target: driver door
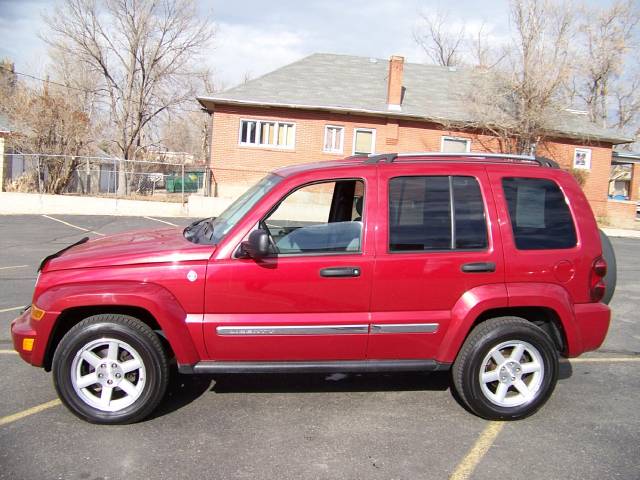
column 307, row 300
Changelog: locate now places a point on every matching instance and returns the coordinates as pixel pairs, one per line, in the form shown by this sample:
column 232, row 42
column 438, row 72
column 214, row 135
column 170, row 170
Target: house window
column 333, row 139
column 364, row 141
column 455, row 145
column 582, row 158
column 267, row 133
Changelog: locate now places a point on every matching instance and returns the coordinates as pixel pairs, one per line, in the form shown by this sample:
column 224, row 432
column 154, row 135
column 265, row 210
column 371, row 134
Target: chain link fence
column 104, row 176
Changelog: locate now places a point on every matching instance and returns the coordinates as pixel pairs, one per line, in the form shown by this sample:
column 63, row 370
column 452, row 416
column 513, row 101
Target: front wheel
column 506, row 369
column 110, row 369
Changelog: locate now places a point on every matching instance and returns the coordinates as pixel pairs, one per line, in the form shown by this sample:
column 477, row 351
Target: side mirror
column 257, row 246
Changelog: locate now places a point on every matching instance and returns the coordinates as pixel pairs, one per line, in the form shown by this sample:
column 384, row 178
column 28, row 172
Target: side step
column 316, row 367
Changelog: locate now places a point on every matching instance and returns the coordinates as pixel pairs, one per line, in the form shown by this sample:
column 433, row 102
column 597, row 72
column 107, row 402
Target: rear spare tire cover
column 612, row 272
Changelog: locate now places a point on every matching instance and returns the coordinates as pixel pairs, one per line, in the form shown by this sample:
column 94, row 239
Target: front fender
column 158, row 301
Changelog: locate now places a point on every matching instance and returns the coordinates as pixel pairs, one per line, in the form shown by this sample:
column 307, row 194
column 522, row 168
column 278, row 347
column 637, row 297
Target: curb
column 622, row 233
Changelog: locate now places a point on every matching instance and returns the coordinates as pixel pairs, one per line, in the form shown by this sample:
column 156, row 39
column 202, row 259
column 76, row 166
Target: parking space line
column 14, row 266
column 469, row 463
column 73, row 226
column 600, row 360
column 8, row 352
column 161, row 221
column 12, row 309
column 28, row 411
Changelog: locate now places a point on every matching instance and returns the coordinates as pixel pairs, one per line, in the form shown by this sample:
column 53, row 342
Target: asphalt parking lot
column 315, row 426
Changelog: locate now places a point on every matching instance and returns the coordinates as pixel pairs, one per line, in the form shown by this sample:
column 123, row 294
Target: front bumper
column 21, row 329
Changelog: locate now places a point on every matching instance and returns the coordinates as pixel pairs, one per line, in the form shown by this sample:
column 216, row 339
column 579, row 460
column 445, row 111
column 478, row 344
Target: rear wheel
column 506, row 369
column 110, row 369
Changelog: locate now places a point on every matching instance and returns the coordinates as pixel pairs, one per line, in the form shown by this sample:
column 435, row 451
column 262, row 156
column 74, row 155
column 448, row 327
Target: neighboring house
column 626, row 174
column 327, row 106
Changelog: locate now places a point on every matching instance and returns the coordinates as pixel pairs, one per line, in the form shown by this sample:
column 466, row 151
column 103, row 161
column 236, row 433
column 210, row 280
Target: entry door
column 434, row 246
column 310, row 299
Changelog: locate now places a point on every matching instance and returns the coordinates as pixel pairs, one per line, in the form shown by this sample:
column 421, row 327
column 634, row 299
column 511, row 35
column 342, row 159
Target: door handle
column 331, row 272
column 478, row 267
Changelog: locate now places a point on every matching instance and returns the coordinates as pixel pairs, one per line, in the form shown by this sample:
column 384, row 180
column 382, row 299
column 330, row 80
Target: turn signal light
column 36, row 313
column 27, row 344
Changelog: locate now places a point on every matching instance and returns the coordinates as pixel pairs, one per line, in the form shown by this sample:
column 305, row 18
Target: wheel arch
column 547, row 306
column 151, row 304
column 72, row 316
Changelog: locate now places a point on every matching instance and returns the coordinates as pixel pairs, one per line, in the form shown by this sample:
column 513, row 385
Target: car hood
column 166, row 245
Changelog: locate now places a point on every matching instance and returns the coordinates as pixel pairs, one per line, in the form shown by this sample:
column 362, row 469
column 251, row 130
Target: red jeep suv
column 487, row 265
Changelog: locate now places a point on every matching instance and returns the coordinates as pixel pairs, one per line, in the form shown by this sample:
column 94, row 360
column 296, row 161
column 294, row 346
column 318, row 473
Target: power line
column 85, row 90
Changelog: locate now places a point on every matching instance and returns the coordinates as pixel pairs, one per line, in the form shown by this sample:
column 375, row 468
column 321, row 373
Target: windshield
column 212, row 230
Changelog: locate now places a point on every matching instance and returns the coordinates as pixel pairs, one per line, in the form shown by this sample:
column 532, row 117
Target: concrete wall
column 12, row 203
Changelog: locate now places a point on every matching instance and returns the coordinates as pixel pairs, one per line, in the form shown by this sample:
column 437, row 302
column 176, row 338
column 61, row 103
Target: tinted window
column 540, row 216
column 471, row 228
column 420, row 214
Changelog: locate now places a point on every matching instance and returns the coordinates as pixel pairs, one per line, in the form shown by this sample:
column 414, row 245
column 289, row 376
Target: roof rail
column 392, row 157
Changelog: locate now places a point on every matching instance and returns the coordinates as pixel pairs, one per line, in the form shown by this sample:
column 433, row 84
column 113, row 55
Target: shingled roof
column 344, row 83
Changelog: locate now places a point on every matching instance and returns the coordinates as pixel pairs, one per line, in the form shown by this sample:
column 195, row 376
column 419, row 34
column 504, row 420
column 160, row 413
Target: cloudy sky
column 256, row 36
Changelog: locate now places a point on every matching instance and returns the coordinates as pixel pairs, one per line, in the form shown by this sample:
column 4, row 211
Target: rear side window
column 436, row 213
column 540, row 216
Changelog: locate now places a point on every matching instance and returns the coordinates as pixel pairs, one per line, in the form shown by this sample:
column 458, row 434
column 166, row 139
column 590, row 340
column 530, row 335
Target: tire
column 611, row 278
column 110, row 369
column 503, row 334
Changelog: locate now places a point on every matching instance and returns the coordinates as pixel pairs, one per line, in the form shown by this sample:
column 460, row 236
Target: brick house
column 326, row 106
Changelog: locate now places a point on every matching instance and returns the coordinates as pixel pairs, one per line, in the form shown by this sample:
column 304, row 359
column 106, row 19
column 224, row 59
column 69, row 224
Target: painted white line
column 12, row 309
column 14, row 266
column 73, row 226
column 8, row 352
column 469, row 463
column 161, row 221
column 600, row 360
column 28, row 411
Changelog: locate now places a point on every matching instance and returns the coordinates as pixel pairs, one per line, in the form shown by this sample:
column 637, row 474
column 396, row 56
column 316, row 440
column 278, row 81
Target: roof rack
column 392, row 157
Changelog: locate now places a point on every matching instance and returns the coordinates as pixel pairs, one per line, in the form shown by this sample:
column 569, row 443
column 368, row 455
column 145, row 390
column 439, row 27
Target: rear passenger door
column 437, row 241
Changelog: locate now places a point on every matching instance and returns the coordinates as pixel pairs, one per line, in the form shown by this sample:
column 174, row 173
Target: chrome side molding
column 294, row 330
column 404, row 328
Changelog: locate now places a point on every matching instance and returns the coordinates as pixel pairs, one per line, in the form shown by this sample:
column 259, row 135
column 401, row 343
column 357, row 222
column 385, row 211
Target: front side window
column 436, row 213
column 267, row 133
column 318, row 218
column 540, row 216
column 364, row 141
column 333, row 139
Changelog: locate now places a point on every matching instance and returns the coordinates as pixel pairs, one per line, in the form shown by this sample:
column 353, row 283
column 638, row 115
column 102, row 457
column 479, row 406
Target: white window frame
column 259, row 123
column 373, row 139
column 444, row 138
column 339, row 128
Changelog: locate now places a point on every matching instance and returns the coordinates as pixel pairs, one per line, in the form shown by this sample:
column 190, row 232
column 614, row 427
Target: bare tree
column 607, row 35
column 440, row 39
column 47, row 120
column 518, row 101
column 144, row 53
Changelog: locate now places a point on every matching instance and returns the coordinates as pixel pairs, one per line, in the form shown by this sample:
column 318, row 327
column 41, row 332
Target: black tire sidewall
column 478, row 402
column 154, row 386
